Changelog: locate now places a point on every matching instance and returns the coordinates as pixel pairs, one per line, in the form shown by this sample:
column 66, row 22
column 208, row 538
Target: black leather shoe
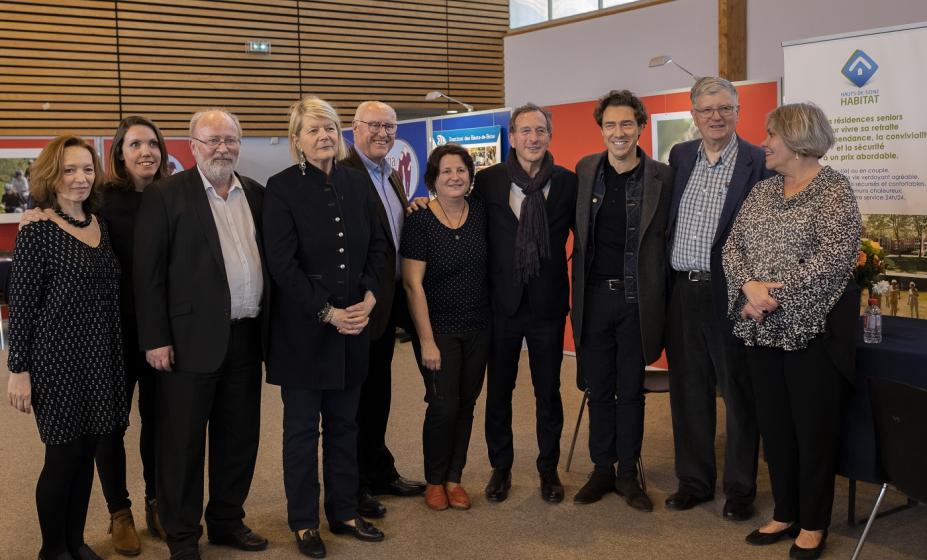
column 497, row 490
column 310, row 544
column 361, row 530
column 737, row 511
column 368, row 506
column 87, row 553
column 599, row 484
column 243, row 539
column 551, row 487
column 633, row 494
column 803, row 553
column 682, row 501
column 756, row 538
column 399, row 487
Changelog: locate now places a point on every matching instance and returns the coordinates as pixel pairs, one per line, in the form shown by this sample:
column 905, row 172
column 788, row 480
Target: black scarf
column 532, row 243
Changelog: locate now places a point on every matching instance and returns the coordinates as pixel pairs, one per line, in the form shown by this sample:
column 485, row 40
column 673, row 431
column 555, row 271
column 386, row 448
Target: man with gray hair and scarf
column 530, row 204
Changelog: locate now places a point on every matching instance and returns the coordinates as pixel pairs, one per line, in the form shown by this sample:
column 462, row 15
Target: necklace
column 72, row 220
column 448, row 218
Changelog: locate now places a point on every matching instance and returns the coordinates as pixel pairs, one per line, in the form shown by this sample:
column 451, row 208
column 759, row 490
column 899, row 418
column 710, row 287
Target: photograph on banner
column 669, row 129
column 483, row 143
column 14, row 176
column 865, row 85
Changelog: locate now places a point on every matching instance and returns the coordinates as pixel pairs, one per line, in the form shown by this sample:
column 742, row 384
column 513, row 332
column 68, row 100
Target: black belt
column 694, row 275
column 613, row 284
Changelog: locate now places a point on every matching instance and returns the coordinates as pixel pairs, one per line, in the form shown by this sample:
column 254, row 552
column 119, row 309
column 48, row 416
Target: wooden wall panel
column 93, row 61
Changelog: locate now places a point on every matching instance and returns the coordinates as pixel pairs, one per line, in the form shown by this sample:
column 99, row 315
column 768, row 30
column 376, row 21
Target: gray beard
column 218, row 172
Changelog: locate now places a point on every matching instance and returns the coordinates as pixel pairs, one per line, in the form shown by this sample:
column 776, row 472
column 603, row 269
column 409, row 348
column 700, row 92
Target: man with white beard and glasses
column 200, row 287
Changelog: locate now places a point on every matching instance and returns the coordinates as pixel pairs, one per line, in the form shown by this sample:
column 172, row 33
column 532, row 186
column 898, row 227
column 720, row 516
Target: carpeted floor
column 522, row 527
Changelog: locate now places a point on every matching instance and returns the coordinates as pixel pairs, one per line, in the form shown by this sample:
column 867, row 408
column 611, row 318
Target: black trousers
column 451, row 394
column 611, row 359
column 375, row 462
column 798, row 400
column 111, row 452
column 545, row 355
column 62, row 495
column 302, row 409
column 229, row 402
column 703, row 355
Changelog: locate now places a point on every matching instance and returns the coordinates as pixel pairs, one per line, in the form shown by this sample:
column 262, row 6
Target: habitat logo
column 860, row 68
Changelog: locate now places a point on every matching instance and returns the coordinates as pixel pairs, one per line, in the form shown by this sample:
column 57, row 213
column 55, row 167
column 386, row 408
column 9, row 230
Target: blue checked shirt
column 700, row 209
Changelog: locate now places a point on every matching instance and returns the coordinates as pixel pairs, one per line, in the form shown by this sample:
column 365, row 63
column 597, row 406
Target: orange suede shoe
column 435, row 497
column 457, row 497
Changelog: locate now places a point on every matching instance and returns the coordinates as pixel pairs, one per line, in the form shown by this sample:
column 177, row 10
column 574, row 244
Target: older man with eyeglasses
column 201, row 293
column 374, row 130
column 713, row 176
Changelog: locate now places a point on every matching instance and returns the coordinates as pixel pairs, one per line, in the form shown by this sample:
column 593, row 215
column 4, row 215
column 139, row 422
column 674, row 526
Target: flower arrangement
column 880, row 287
column 870, row 264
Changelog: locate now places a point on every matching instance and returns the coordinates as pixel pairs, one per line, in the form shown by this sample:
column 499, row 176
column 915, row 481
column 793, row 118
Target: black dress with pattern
column 65, row 331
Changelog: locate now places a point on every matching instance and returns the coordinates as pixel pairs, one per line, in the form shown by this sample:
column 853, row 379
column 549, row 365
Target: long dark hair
column 116, row 175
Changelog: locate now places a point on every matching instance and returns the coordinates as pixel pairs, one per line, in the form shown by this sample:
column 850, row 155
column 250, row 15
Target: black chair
column 655, row 381
column 900, row 414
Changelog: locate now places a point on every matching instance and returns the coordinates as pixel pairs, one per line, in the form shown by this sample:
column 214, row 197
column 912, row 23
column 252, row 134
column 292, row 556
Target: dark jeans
column 62, row 495
column 375, row 462
column 798, row 400
column 451, row 394
column 703, row 355
column 611, row 360
column 228, row 400
column 545, row 354
column 111, row 453
column 301, row 411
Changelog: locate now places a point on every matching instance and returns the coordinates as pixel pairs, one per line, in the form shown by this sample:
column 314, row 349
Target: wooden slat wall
column 79, row 65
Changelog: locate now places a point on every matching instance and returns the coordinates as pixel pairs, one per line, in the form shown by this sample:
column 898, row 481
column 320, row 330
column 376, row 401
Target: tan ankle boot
column 122, row 528
column 153, row 520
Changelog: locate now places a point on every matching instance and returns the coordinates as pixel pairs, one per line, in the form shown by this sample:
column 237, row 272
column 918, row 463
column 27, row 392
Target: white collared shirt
column 238, row 241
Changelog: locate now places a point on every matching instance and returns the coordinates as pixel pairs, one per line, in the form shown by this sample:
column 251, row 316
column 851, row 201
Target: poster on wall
column 483, row 143
column 669, row 129
column 869, row 86
column 16, row 154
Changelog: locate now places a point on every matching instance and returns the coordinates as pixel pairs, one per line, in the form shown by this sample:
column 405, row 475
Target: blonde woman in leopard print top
column 789, row 262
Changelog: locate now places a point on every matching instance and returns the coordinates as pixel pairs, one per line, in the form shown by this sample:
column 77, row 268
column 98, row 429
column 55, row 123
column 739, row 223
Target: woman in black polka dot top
column 444, row 262
column 65, row 356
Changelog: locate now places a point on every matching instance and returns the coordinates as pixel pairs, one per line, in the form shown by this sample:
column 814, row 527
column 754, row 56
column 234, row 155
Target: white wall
column 261, row 158
column 583, row 60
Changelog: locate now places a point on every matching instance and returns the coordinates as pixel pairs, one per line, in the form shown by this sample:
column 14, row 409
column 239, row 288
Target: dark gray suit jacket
column 381, row 311
column 651, row 251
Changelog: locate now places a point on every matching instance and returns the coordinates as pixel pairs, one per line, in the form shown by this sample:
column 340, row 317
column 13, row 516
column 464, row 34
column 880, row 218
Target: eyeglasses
column 230, row 142
column 723, row 110
column 375, row 126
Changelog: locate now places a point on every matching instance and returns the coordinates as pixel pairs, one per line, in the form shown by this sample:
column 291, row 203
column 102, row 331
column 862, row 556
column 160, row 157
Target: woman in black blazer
column 323, row 249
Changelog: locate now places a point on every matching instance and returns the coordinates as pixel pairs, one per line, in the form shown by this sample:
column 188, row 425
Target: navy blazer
column 749, row 169
column 324, row 244
column 549, row 293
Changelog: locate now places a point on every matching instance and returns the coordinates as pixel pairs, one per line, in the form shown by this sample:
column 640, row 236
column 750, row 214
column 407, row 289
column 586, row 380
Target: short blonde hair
column 312, row 107
column 46, row 171
column 803, row 127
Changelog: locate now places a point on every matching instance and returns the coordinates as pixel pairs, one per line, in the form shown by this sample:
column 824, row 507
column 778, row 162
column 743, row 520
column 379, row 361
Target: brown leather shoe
column 458, row 498
column 122, row 528
column 435, row 497
column 153, row 520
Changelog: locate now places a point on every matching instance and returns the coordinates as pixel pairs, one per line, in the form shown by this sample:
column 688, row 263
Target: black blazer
column 549, row 293
column 651, row 248
column 749, row 169
column 181, row 291
column 324, row 245
column 381, row 313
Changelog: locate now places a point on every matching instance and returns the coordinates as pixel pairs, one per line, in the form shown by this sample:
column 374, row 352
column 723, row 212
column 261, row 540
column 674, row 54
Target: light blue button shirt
column 379, row 174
